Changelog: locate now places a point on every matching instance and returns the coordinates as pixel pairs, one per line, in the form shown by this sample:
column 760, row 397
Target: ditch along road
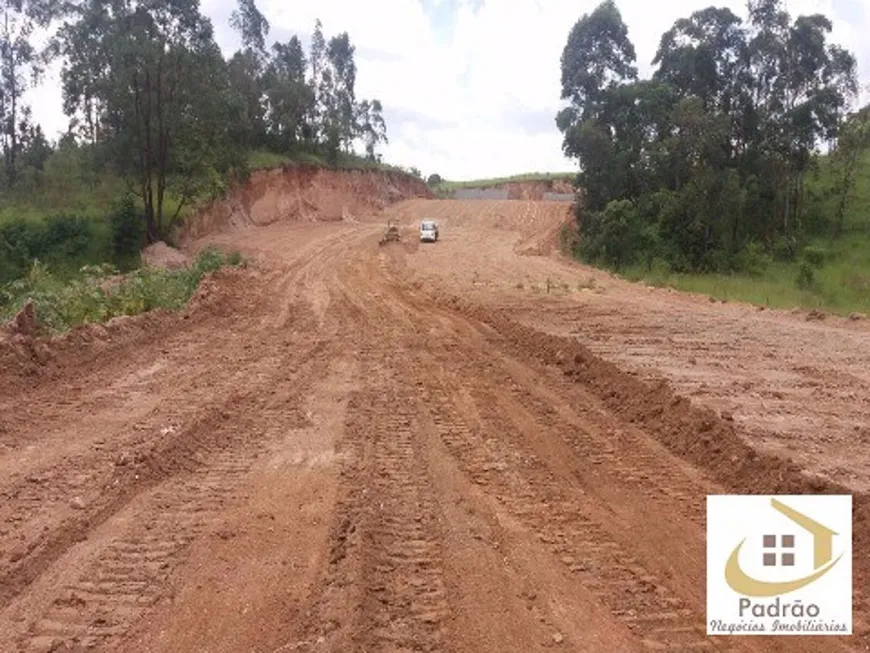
column 347, row 447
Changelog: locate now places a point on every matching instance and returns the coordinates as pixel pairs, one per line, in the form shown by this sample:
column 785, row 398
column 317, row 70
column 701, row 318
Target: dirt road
column 411, row 448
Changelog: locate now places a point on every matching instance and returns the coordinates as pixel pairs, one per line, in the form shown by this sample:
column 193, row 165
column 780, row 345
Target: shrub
column 208, row 260
column 234, row 259
column 127, row 227
column 814, row 255
column 64, row 239
column 65, row 236
column 16, row 243
column 784, row 249
column 752, row 259
column 613, row 236
column 717, row 260
column 89, row 298
column 806, row 278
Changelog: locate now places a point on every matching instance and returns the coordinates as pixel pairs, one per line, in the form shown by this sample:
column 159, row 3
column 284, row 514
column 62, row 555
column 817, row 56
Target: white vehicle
column 428, row 231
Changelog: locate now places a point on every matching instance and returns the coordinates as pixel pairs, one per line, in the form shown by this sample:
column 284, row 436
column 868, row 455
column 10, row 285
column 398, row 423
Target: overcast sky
column 471, row 87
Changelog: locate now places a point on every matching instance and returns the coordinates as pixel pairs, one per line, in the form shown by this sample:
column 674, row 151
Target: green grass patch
column 64, row 242
column 829, row 275
column 264, row 160
column 97, row 294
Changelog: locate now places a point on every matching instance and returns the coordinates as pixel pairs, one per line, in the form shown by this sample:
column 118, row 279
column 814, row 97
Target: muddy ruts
column 384, row 589
column 129, row 575
column 564, row 522
column 156, row 512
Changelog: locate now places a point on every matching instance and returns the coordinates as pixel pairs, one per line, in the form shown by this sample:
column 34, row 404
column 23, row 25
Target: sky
column 471, row 88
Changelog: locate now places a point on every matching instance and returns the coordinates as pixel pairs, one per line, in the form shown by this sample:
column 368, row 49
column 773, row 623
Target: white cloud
column 470, row 83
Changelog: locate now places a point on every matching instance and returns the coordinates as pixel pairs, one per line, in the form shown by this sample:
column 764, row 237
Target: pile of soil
column 24, row 322
column 28, row 357
column 161, row 255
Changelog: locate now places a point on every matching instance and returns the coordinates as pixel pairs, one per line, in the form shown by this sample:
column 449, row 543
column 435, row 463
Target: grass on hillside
column 62, row 304
column 839, row 285
column 498, row 181
column 67, row 187
column 264, row 159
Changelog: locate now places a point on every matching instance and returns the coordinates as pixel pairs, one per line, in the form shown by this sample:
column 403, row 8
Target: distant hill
column 530, row 186
column 565, row 177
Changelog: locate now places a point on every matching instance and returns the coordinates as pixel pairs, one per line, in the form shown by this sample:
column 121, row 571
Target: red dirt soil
column 414, row 447
column 303, row 193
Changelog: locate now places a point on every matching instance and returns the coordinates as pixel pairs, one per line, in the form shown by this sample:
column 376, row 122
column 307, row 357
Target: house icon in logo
column 823, row 548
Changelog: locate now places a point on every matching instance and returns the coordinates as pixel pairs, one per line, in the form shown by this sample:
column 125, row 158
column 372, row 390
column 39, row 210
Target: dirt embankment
column 552, row 189
column 535, row 190
column 303, row 193
column 28, row 358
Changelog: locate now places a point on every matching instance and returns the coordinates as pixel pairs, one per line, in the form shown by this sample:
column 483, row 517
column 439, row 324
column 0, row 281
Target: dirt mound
column 303, row 193
column 24, row 322
column 27, row 358
column 161, row 255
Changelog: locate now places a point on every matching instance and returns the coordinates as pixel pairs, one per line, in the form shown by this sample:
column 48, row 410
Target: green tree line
column 706, row 162
column 151, row 98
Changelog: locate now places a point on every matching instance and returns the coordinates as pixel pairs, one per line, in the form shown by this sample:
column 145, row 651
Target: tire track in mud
column 617, row 440
column 384, row 588
column 571, row 529
column 616, row 444
column 636, row 462
column 131, row 572
column 111, row 481
column 411, row 602
column 492, row 455
column 600, row 441
column 294, row 282
column 54, row 507
column 567, row 521
column 174, row 498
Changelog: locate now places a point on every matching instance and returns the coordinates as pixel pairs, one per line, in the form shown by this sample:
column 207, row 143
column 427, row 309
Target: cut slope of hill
column 530, row 186
column 307, row 193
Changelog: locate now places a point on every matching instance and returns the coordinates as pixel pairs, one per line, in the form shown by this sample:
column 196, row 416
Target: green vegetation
column 159, row 122
column 264, row 159
column 156, row 111
column 830, row 273
column 709, row 176
column 96, row 295
column 840, row 285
